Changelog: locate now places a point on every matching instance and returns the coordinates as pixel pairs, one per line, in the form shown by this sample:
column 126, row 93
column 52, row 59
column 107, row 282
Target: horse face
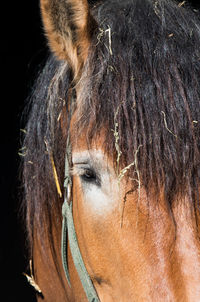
column 134, row 247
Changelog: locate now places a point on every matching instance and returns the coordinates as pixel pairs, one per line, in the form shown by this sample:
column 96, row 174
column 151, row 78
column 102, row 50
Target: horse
column 112, row 144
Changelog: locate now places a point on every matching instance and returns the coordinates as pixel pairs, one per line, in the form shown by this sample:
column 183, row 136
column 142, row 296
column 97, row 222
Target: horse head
column 122, row 87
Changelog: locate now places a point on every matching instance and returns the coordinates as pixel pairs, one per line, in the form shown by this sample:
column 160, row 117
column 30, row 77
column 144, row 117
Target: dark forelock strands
column 142, row 80
column 141, row 83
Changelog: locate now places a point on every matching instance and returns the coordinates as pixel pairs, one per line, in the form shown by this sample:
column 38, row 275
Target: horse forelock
column 141, row 84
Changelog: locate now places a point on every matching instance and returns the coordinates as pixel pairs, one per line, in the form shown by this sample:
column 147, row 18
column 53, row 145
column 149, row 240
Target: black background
column 23, row 48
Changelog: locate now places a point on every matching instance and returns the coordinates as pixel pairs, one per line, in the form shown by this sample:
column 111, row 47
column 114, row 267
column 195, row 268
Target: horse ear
column 68, row 25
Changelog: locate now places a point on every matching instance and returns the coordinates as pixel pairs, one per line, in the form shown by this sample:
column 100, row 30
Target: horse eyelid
column 78, row 169
column 87, row 175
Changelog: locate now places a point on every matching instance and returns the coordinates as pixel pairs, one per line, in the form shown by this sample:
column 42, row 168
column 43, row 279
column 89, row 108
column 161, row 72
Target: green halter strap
column 68, row 228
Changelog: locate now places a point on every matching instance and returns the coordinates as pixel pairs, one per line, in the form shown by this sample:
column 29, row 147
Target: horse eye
column 90, row 176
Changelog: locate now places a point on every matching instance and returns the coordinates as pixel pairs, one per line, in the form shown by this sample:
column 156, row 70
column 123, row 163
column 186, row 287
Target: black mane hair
column 141, row 83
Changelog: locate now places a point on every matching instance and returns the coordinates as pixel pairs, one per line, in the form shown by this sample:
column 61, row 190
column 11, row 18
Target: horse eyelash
column 75, row 171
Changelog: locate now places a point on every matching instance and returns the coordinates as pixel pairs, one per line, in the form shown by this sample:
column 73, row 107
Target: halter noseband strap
column 68, row 228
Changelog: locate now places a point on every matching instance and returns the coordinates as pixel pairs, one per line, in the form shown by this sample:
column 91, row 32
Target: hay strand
column 31, row 279
column 55, row 174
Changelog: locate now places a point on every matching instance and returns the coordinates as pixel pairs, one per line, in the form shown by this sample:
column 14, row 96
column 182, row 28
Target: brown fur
column 150, row 258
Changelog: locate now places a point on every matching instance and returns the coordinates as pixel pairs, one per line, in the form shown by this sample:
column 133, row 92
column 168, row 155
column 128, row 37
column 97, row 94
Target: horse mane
column 141, row 83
